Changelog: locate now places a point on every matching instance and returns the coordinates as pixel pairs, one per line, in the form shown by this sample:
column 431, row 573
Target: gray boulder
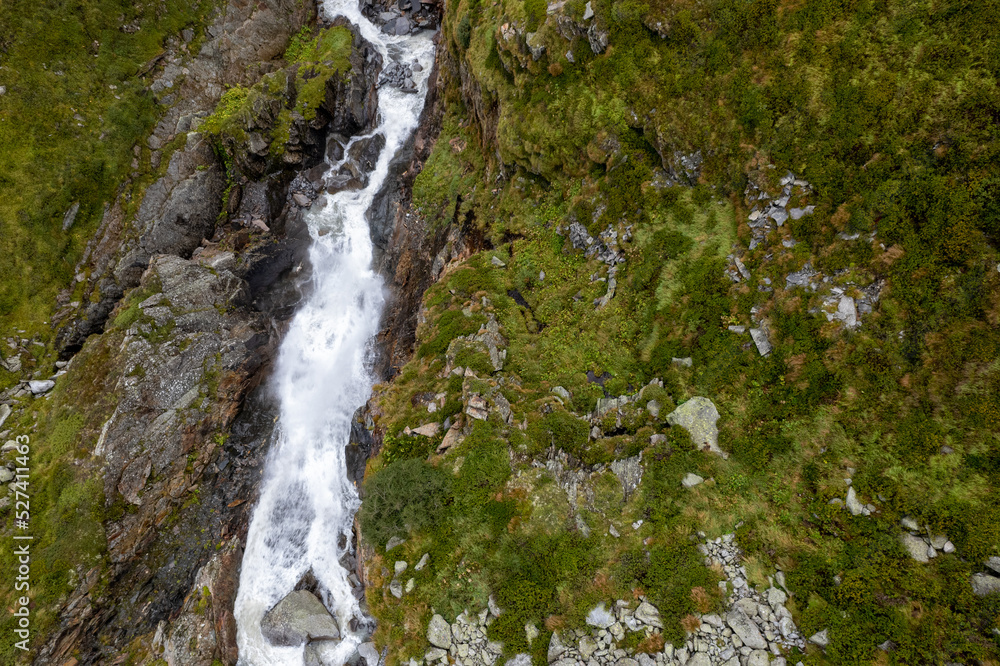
column 699, row 659
column 313, row 654
column 854, row 505
column 745, row 628
column 439, row 632
column 648, row 614
column 915, row 546
column 600, row 617
column 299, row 618
column 698, row 416
column 587, row 646
column 691, row 480
column 821, row 638
column 598, row 39
column 369, row 653
column 40, row 386
column 535, row 45
column 984, row 584
column 994, row 563
column 759, row 336
column 556, row 647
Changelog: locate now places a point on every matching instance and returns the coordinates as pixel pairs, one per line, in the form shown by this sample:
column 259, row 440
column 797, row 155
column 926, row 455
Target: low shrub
column 676, row 581
column 406, row 496
column 561, row 429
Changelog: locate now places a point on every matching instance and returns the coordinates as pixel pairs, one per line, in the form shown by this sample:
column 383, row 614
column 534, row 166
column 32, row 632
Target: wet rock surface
column 297, row 619
column 401, row 17
column 194, row 298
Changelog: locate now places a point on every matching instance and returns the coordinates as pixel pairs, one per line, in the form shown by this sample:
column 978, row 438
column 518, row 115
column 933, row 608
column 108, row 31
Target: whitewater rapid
column 303, row 519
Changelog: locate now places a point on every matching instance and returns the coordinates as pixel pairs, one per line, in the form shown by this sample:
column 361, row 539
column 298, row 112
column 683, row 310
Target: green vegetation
column 296, row 91
column 888, row 109
column 75, row 105
column 67, row 504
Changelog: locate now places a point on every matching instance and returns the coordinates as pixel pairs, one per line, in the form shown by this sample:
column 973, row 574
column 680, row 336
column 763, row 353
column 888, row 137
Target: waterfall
column 303, row 520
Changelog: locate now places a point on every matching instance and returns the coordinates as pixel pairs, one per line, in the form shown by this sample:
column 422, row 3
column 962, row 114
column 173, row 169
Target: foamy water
column 305, row 514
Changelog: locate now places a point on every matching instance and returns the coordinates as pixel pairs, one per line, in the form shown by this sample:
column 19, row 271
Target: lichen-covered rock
column 698, row 416
column 915, row 546
column 745, row 628
column 600, row 617
column 439, row 632
column 298, row 618
column 984, row 584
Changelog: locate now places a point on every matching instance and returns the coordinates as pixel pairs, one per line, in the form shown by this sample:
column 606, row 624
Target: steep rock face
column 187, row 362
column 273, row 134
column 189, row 297
column 172, row 371
column 179, row 209
column 407, row 253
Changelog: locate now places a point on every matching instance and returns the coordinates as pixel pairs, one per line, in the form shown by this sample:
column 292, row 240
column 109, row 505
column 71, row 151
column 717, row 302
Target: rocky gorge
column 687, row 354
column 186, row 295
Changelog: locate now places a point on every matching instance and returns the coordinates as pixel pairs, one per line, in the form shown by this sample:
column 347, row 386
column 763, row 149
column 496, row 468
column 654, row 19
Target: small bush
column 535, row 11
column 407, row 496
column 470, row 281
column 669, row 575
column 450, row 325
column 561, row 429
column 397, row 446
column 472, row 356
column 464, row 32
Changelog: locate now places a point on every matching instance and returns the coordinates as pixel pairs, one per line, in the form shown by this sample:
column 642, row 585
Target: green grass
column 73, row 110
column 888, row 110
column 67, row 504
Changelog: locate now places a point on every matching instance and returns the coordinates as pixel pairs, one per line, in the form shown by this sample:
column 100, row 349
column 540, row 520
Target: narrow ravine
column 303, row 520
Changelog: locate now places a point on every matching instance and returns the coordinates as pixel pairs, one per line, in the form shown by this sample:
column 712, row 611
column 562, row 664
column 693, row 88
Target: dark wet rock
column 274, row 271
column 389, row 14
column 399, row 76
column 177, row 213
column 205, row 631
column 299, row 618
column 349, row 106
column 362, row 155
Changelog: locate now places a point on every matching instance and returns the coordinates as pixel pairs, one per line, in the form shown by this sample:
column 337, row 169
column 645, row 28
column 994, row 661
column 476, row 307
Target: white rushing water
column 303, row 520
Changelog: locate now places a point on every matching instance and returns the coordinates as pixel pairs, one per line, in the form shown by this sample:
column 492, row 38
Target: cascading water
column 304, row 517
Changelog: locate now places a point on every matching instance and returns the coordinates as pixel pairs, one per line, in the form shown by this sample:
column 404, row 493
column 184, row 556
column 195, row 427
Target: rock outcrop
column 754, row 629
column 180, row 207
column 698, row 416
